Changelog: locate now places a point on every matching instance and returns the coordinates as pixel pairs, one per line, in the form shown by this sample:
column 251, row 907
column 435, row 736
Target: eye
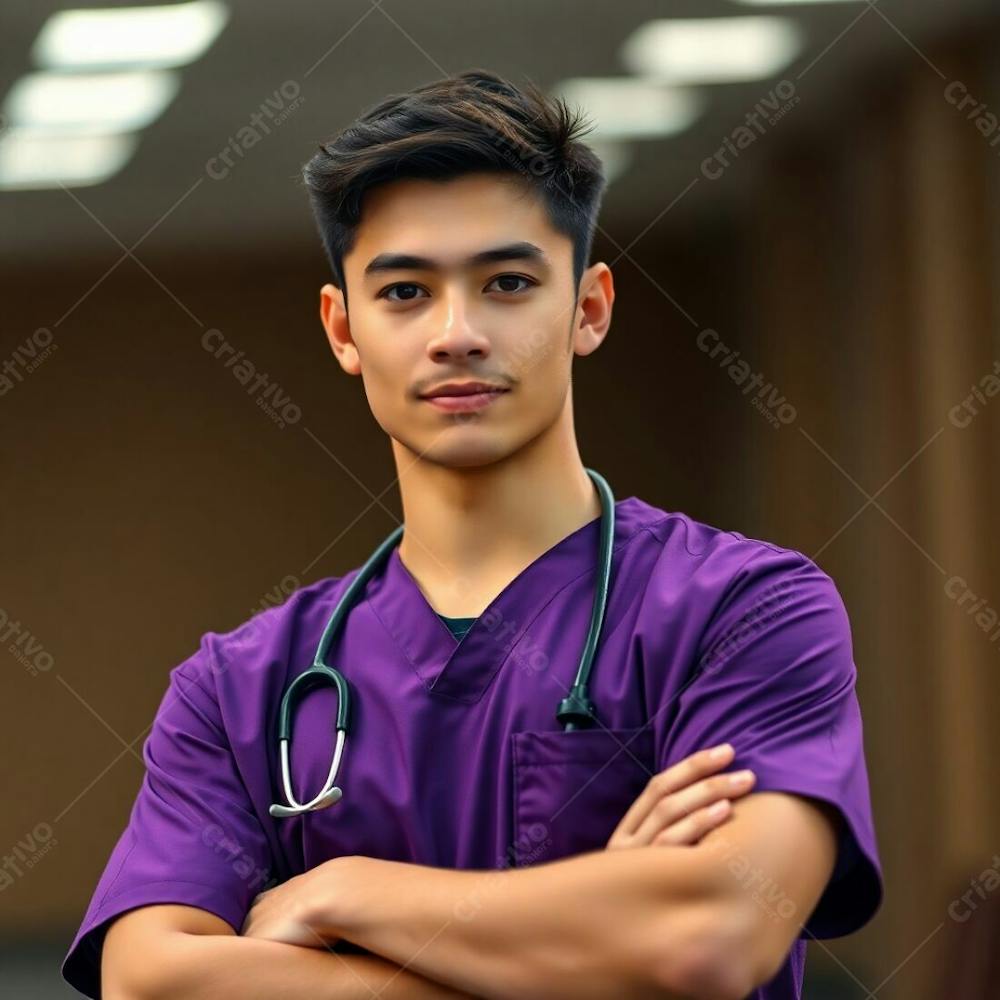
column 384, row 294
column 409, row 289
column 512, row 277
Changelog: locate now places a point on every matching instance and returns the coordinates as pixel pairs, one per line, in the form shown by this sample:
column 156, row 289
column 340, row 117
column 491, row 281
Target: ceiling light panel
column 90, row 101
column 117, row 37
column 40, row 159
column 713, row 50
column 626, row 108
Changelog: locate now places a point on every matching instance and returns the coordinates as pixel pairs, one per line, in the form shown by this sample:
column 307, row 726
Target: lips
column 455, row 397
column 462, row 389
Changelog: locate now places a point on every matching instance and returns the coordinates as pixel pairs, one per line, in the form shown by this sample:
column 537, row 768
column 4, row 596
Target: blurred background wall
column 848, row 250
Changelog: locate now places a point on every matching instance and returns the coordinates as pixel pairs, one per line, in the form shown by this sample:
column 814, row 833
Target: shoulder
column 729, row 581
column 690, row 546
column 258, row 649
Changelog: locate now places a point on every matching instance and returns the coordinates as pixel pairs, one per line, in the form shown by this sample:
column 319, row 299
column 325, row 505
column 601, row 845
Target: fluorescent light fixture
column 789, row 3
column 713, row 49
column 626, row 108
column 115, row 37
column 31, row 158
column 112, row 102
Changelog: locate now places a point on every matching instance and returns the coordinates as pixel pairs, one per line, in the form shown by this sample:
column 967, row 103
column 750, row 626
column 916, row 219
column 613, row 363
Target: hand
column 303, row 911
column 680, row 804
column 292, row 912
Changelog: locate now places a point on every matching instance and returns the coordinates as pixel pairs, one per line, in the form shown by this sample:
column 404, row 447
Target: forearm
column 600, row 924
column 220, row 967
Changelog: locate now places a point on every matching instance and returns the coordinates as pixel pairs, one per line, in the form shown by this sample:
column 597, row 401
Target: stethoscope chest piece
column 318, row 675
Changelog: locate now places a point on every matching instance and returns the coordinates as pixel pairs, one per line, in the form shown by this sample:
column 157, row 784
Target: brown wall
column 148, row 499
column 874, row 269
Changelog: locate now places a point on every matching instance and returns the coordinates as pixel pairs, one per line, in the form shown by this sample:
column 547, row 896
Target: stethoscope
column 575, row 710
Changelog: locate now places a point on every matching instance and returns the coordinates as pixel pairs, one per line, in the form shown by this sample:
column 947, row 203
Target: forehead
column 453, row 218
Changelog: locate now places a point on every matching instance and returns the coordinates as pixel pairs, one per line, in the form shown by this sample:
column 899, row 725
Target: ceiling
column 342, row 57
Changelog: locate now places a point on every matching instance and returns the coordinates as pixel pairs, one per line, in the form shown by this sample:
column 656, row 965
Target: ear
column 593, row 309
column 333, row 316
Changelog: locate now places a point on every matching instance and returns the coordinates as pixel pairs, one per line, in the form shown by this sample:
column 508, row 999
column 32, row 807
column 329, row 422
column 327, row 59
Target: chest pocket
column 571, row 789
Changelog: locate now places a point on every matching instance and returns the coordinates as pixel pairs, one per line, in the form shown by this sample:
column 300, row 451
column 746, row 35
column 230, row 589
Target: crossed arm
column 661, row 921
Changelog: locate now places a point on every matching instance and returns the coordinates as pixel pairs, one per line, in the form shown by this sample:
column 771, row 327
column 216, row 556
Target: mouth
column 464, row 397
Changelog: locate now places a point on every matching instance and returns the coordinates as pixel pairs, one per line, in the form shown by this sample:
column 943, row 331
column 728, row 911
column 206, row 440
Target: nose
column 456, row 336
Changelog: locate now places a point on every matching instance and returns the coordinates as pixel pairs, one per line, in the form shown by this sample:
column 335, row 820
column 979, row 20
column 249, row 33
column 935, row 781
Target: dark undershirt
column 457, row 626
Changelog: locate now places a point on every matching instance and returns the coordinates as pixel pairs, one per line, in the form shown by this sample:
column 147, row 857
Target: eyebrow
column 412, row 262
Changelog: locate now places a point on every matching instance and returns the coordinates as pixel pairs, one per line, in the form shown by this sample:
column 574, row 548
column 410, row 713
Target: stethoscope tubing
column 575, row 711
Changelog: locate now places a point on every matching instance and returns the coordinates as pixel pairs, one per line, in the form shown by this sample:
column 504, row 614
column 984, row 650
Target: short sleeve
column 192, row 835
column 775, row 676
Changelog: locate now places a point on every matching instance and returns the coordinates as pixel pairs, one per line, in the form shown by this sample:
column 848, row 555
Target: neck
column 470, row 531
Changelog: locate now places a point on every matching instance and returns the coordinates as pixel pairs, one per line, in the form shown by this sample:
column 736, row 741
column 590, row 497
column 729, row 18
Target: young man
column 481, row 849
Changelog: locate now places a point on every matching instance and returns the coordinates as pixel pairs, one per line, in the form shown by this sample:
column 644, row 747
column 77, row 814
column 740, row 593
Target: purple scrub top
column 455, row 758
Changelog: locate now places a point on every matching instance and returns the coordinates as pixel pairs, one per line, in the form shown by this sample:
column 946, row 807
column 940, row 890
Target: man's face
column 416, row 326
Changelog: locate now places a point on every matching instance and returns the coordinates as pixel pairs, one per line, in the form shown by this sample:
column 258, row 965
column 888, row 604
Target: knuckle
column 706, row 789
column 665, row 810
column 660, row 784
column 693, row 766
column 662, row 778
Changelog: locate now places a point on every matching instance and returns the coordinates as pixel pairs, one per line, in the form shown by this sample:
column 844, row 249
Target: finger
column 673, row 808
column 694, row 826
column 677, row 776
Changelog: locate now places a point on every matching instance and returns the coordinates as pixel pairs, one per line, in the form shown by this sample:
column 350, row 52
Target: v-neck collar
column 464, row 670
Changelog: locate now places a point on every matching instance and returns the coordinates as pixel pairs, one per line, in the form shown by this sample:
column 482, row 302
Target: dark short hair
column 475, row 121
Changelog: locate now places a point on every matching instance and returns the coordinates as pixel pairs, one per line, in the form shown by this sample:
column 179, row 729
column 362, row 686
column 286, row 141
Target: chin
column 477, row 451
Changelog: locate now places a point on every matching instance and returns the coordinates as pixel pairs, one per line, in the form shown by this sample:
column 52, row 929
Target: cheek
column 537, row 349
column 386, row 391
column 542, row 364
